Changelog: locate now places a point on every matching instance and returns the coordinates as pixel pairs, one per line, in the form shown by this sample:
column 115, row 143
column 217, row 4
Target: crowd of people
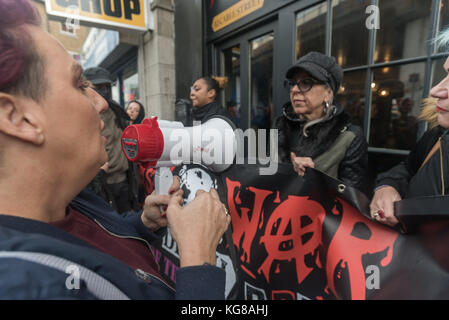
column 68, row 195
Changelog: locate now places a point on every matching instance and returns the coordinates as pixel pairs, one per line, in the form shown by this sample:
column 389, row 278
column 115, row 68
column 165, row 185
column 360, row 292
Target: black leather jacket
column 410, row 180
column 352, row 169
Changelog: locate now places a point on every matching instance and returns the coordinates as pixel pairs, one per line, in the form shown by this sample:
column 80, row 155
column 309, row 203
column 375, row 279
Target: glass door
column 231, row 70
column 247, row 61
column 261, row 81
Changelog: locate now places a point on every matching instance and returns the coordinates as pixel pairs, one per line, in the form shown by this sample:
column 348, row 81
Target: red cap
column 143, row 143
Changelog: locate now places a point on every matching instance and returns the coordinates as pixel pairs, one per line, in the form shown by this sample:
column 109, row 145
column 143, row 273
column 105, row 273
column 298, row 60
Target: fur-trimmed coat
column 337, row 147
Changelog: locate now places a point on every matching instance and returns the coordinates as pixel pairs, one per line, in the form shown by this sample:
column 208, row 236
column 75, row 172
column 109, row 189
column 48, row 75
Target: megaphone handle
column 163, row 180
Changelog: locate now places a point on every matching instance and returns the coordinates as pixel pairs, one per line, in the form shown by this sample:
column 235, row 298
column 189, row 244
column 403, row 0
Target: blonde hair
column 428, row 112
column 222, row 81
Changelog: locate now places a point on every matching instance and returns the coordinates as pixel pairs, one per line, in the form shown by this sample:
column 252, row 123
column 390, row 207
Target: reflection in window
column 131, row 87
column 261, row 85
column 352, row 95
column 438, row 72
column 444, row 15
column 348, row 28
column 116, row 91
column 311, row 30
column 396, row 102
column 404, row 27
column 231, row 69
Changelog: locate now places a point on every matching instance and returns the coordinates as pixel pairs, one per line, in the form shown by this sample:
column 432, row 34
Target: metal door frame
column 243, row 40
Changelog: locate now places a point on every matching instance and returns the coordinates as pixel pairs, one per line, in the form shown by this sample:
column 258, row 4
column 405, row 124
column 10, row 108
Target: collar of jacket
column 290, row 114
column 320, row 136
column 21, row 234
column 127, row 224
column 202, row 113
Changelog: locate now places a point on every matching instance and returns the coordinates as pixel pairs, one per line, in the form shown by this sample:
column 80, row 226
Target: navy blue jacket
column 25, row 279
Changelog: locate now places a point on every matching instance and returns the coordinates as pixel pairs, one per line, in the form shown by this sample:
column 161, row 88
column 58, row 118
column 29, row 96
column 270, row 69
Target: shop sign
column 128, row 14
column 236, row 12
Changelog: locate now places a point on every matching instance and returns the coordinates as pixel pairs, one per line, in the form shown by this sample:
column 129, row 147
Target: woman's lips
column 439, row 109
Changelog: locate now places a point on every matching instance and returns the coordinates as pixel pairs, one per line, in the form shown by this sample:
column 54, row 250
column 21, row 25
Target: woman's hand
column 382, row 205
column 198, row 227
column 301, row 163
column 154, row 214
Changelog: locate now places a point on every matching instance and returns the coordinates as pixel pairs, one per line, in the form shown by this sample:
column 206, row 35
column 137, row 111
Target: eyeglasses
column 304, row 85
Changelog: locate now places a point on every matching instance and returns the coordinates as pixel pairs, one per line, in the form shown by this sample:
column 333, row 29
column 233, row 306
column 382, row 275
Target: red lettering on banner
column 294, row 231
column 244, row 226
column 345, row 249
column 296, row 242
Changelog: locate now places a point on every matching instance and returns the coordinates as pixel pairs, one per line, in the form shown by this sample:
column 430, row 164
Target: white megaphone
column 162, row 144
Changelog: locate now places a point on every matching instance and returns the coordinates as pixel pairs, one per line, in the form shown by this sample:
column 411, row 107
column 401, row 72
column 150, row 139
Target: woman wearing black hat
column 314, row 131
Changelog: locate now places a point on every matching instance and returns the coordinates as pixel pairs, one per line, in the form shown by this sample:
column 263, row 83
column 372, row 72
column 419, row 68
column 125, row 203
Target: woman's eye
column 84, row 84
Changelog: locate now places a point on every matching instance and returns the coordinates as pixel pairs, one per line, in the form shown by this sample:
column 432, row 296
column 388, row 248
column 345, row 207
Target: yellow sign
column 131, row 14
column 235, row 13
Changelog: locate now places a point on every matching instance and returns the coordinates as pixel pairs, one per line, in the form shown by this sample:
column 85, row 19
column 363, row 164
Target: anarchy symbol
column 286, row 239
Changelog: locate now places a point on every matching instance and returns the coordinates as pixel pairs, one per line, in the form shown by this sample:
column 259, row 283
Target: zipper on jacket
column 141, row 239
column 145, row 276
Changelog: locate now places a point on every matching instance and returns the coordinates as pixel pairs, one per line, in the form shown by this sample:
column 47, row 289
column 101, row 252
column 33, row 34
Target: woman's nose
column 99, row 102
column 440, row 91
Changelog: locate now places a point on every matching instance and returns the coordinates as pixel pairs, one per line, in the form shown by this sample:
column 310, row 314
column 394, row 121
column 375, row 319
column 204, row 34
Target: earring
column 326, row 107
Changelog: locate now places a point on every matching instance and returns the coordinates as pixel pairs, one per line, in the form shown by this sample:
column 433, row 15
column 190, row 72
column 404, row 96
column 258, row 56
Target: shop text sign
column 235, row 13
column 129, row 14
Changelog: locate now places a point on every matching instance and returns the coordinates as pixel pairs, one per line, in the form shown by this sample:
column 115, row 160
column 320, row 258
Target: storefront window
column 261, row 87
column 311, row 30
column 438, row 72
column 231, row 67
column 349, row 35
column 396, row 102
column 404, row 29
column 352, row 95
column 131, row 88
column 444, row 15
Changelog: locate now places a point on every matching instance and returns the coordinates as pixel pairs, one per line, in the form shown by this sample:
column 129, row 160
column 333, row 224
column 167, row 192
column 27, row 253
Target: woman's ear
column 211, row 94
column 16, row 122
column 328, row 95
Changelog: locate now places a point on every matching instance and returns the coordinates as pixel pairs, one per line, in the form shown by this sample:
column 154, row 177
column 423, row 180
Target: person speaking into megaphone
column 204, row 93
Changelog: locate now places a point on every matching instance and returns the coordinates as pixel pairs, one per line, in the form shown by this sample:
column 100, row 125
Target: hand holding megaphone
column 161, row 144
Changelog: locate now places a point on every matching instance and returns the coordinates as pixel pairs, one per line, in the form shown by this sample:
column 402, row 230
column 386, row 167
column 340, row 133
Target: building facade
column 71, row 38
column 141, row 62
column 384, row 47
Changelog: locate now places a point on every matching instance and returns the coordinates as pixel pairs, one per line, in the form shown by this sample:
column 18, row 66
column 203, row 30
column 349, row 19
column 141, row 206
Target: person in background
column 58, row 241
column 405, row 126
column 425, row 171
column 203, row 94
column 314, row 130
column 234, row 112
column 113, row 183
column 135, row 111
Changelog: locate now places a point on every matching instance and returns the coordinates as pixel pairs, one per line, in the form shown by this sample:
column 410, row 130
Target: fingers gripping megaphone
column 161, row 144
